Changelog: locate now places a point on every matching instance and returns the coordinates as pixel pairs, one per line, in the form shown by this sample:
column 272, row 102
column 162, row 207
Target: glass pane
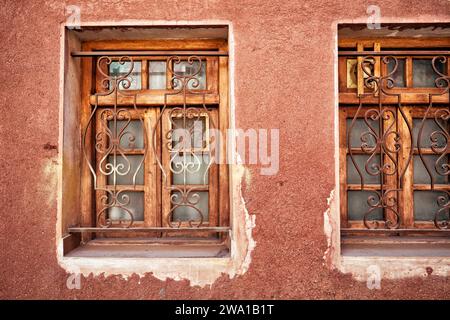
column 359, row 128
column 157, row 75
column 133, row 136
column 130, row 167
column 195, row 128
column 426, row 205
column 352, row 173
column 420, row 173
column 195, row 169
column 184, row 68
column 358, row 206
column 188, row 213
column 135, row 206
column 117, row 69
column 399, row 74
column 423, row 73
column 429, row 127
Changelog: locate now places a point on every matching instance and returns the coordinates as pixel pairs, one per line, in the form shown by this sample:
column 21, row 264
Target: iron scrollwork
column 387, row 142
column 439, row 143
column 108, row 143
column 183, row 158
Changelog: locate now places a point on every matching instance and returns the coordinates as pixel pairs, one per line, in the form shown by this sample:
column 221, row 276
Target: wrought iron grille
column 184, row 195
column 177, row 136
column 383, row 140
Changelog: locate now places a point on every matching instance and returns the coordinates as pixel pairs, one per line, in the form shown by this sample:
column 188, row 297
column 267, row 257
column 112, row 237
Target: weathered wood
column 147, row 229
column 224, row 109
column 154, row 98
column 87, row 187
column 406, row 198
column 397, row 42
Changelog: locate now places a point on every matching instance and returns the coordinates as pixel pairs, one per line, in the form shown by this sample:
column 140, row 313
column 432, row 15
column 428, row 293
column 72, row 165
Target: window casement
column 153, row 121
column 394, row 143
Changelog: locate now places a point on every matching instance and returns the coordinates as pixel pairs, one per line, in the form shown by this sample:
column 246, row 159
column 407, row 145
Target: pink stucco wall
column 284, row 78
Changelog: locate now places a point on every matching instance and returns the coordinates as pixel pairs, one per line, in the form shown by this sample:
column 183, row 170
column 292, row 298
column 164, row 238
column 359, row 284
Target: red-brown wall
column 284, row 78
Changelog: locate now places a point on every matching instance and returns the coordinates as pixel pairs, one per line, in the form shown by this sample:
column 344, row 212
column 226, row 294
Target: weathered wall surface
column 284, row 78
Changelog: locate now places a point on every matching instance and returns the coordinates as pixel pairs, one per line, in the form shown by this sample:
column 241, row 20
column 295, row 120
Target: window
column 394, row 109
column 153, row 115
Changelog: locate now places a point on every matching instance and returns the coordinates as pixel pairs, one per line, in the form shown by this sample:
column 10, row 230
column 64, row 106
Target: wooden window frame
column 149, row 102
column 410, row 94
column 414, row 101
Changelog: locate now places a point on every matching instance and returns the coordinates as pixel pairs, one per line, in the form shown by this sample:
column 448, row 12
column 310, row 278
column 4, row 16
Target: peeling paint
column 329, row 228
column 199, row 272
column 49, row 179
column 395, row 267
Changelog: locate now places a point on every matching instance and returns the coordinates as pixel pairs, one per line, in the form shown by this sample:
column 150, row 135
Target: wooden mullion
column 195, row 187
column 155, row 98
column 377, row 63
column 410, row 96
column 151, row 185
column 132, row 152
column 427, row 187
column 169, row 76
column 357, row 187
column 390, row 181
column 144, row 73
column 87, row 186
column 213, row 176
column 425, row 151
column 223, row 122
column 408, row 72
column 360, row 72
column 406, row 199
column 212, row 74
column 124, row 187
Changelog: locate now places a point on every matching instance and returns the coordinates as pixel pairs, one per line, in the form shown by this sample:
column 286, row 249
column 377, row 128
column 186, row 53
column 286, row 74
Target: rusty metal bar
column 367, row 231
column 147, row 229
column 147, row 53
column 395, row 53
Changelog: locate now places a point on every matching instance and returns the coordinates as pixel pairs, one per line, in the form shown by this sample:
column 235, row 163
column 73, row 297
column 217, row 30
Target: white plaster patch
column 199, row 271
column 49, row 181
column 331, row 228
column 327, row 227
column 395, row 267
